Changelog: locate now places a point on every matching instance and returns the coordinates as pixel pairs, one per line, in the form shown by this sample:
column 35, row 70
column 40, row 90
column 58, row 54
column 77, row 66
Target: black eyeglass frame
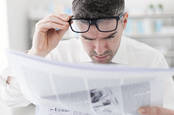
column 94, row 22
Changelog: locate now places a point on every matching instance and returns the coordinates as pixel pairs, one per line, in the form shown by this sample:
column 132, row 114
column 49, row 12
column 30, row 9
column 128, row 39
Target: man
column 101, row 24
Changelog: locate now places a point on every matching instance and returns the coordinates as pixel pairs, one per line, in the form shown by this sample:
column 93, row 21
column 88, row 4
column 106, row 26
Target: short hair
column 97, row 8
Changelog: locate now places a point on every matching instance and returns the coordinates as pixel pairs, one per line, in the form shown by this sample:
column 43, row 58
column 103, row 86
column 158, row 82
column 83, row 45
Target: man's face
column 102, row 46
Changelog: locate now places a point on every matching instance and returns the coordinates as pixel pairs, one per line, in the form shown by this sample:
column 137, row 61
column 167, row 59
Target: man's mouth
column 100, row 58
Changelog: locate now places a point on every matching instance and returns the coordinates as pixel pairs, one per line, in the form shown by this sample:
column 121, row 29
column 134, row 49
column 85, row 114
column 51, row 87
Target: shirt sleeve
column 64, row 52
column 161, row 62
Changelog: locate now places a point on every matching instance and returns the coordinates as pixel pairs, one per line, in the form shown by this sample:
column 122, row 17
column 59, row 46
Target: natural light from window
column 3, row 32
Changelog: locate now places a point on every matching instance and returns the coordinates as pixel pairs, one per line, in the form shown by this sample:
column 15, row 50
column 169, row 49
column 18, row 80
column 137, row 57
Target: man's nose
column 100, row 47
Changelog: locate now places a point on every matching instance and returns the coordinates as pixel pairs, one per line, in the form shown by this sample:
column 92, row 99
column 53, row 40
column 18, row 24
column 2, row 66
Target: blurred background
column 150, row 21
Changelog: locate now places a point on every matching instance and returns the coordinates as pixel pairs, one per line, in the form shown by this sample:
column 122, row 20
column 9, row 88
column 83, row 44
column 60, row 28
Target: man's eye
column 88, row 39
column 110, row 37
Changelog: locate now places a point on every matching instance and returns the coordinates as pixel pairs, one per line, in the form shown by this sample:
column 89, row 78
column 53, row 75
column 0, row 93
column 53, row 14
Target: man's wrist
column 35, row 53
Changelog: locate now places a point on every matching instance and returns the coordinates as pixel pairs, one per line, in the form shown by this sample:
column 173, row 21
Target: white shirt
column 130, row 53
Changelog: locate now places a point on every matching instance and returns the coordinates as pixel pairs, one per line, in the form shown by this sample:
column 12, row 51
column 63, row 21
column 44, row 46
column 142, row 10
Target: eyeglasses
column 82, row 25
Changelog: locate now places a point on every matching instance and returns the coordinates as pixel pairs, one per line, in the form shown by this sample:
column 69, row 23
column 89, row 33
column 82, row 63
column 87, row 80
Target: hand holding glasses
column 106, row 24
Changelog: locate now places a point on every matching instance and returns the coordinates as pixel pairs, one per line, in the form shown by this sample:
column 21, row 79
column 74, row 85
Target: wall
column 18, row 16
column 17, row 23
column 142, row 4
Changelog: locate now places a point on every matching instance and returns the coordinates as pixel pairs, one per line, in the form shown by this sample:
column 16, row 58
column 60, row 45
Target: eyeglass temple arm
column 122, row 15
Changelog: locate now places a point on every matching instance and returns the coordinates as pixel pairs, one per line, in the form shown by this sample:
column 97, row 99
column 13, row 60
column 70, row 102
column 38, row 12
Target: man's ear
column 125, row 20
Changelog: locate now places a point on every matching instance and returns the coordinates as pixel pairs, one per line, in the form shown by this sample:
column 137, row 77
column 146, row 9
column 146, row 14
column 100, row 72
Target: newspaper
column 87, row 89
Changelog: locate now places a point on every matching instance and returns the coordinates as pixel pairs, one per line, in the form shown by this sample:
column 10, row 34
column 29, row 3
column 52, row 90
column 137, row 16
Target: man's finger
column 45, row 27
column 155, row 111
column 64, row 17
column 8, row 80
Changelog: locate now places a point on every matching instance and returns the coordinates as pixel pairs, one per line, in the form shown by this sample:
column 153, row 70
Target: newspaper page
column 90, row 89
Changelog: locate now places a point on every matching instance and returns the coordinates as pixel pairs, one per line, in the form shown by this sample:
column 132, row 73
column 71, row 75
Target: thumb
column 155, row 111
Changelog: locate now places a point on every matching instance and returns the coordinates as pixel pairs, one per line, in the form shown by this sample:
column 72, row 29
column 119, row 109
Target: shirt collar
column 121, row 56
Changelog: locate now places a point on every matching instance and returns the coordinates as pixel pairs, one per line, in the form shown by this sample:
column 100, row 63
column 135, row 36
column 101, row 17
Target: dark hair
column 97, row 8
